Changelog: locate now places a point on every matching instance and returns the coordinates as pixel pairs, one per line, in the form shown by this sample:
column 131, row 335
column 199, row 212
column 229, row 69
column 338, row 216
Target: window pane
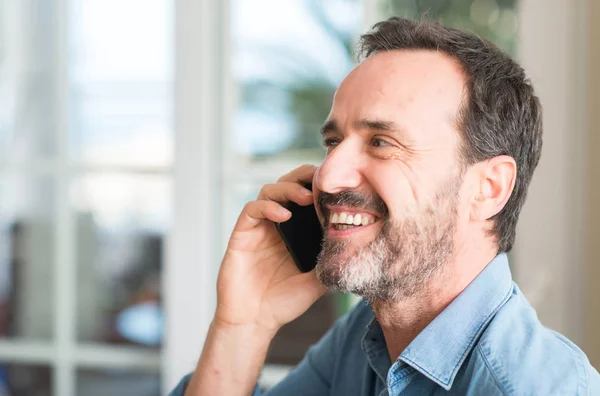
column 286, row 70
column 27, row 78
column 121, row 223
column 120, row 82
column 26, row 256
column 25, row 380
column 117, row 382
column 496, row 20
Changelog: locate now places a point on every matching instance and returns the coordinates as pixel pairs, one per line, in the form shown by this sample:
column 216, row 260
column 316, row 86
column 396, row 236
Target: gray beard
column 401, row 261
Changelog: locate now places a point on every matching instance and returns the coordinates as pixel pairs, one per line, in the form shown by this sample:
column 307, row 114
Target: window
column 85, row 194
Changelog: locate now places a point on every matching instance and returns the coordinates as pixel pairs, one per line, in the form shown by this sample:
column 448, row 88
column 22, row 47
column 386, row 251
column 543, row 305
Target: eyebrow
column 366, row 123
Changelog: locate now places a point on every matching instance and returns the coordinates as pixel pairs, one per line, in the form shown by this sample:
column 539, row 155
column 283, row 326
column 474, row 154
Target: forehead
column 413, row 88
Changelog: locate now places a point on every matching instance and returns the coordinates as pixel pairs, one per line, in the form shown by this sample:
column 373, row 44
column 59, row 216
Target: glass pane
column 25, row 380
column 117, row 382
column 120, row 82
column 27, row 79
column 496, row 20
column 121, row 223
column 26, row 256
column 286, row 71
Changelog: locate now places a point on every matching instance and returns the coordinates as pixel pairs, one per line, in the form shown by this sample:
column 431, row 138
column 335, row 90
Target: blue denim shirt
column 488, row 341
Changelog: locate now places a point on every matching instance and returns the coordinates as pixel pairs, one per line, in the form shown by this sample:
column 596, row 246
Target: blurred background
column 132, row 132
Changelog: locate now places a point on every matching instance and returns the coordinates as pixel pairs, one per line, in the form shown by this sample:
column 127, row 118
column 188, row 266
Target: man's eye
column 376, row 142
column 330, row 142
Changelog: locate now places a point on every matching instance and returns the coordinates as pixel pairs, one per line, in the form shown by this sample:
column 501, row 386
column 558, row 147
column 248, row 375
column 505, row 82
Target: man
column 432, row 141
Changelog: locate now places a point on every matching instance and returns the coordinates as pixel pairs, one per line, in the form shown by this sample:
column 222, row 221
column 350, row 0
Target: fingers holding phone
column 273, row 199
column 302, row 234
column 259, row 282
column 284, row 192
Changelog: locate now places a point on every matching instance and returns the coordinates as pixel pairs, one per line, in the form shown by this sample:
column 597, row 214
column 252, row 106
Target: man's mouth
column 340, row 221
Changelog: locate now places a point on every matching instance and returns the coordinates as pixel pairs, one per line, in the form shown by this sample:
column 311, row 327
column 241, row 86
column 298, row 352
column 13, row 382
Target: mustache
column 352, row 199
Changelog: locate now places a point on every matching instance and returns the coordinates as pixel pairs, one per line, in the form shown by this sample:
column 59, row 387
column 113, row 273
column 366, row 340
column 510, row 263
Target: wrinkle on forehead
column 416, row 87
column 406, row 75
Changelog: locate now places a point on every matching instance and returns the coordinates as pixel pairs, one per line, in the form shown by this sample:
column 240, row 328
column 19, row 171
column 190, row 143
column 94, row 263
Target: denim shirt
column 488, row 341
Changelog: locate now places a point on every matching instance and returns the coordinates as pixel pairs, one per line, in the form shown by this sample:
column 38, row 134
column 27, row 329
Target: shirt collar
column 440, row 349
column 374, row 346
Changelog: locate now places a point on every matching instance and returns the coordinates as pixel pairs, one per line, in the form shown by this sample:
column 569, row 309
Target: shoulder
column 524, row 357
column 340, row 344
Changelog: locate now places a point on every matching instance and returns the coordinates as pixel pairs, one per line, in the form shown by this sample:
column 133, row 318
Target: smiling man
column 432, row 141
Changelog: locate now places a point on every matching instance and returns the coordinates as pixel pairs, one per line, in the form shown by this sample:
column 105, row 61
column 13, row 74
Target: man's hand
column 259, row 284
column 259, row 289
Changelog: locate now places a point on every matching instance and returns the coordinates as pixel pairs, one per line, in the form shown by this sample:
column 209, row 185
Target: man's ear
column 496, row 183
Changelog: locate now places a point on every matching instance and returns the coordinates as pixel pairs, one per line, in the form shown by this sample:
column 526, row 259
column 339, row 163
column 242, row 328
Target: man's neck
column 402, row 320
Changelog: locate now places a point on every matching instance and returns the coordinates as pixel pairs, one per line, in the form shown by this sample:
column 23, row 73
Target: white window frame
column 189, row 274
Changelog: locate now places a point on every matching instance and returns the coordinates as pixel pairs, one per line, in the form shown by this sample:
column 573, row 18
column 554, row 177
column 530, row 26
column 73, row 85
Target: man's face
column 392, row 165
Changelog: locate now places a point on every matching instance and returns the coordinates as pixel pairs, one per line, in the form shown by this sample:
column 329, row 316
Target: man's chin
column 329, row 269
column 334, row 262
column 333, row 268
column 331, row 275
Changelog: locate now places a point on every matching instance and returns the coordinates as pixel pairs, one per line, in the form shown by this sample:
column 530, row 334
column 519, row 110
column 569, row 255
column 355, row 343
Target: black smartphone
column 302, row 234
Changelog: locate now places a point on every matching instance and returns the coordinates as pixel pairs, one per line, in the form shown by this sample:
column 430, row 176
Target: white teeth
column 342, row 218
column 351, row 219
column 334, row 218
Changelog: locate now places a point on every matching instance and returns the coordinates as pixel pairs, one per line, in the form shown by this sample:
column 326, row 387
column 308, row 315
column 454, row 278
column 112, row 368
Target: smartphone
column 302, row 234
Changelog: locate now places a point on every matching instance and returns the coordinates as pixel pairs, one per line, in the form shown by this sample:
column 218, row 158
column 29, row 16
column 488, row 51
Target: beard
column 403, row 259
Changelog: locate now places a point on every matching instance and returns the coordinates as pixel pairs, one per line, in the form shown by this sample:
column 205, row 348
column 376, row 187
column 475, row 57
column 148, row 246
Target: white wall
column 550, row 254
column 591, row 305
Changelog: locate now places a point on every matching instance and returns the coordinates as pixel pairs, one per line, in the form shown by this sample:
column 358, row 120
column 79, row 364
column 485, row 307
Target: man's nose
column 340, row 171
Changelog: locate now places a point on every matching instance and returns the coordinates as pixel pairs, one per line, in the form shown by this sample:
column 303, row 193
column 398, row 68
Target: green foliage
column 309, row 93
